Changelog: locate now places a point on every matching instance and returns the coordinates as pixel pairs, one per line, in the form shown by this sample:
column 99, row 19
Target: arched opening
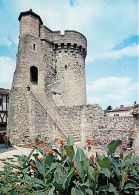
column 34, row 75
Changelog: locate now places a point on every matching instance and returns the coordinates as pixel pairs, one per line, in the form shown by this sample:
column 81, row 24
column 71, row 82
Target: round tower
column 69, row 58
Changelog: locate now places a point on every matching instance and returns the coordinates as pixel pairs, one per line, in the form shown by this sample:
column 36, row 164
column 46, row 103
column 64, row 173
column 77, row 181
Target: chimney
column 121, row 106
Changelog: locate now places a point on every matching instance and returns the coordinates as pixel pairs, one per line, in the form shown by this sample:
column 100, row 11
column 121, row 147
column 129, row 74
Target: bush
column 66, row 171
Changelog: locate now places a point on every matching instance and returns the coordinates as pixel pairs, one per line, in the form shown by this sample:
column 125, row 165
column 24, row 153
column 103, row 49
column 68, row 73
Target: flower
column 50, row 151
column 92, row 157
column 132, row 166
column 89, row 160
column 64, row 154
column 33, row 167
column 90, row 143
column 63, row 148
column 76, row 172
column 126, row 178
column 62, row 141
column 43, row 140
column 73, row 163
column 56, row 139
column 45, row 149
column 40, row 159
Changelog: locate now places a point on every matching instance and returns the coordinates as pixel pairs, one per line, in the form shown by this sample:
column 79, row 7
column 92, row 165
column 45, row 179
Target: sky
column 111, row 29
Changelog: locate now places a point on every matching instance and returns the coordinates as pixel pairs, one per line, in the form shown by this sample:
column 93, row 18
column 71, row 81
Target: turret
column 30, row 23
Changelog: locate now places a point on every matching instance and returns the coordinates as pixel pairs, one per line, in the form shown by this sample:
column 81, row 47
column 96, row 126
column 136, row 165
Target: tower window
column 33, row 46
column 34, row 74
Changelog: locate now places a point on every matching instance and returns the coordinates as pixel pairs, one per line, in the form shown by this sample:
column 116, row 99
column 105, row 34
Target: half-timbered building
column 4, row 101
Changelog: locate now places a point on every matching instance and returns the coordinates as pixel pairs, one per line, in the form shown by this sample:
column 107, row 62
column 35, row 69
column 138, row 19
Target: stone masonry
column 48, row 95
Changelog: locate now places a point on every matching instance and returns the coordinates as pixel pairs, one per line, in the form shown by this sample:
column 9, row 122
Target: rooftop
column 2, row 90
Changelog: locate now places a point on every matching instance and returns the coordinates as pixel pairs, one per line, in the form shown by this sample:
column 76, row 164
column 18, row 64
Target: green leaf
column 128, row 156
column 103, row 188
column 106, row 172
column 91, row 170
column 70, row 151
column 112, row 188
column 113, row 145
column 64, row 179
column 40, row 165
column 37, row 181
column 81, row 163
column 130, row 185
column 52, row 167
column 89, row 192
column 49, row 159
column 13, row 166
column 70, row 140
column 30, row 154
column 51, row 192
column 39, row 149
column 124, row 175
column 70, row 175
column 104, row 163
column 73, row 192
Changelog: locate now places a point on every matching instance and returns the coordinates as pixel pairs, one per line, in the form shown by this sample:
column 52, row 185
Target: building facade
column 4, row 101
column 121, row 111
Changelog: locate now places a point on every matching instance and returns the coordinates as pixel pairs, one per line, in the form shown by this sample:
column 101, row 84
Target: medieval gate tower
column 53, row 67
column 48, row 95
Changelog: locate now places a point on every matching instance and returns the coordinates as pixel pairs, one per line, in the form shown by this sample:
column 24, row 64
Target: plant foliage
column 66, row 171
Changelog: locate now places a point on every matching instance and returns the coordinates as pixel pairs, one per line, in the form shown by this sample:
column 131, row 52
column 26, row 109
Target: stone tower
column 54, row 65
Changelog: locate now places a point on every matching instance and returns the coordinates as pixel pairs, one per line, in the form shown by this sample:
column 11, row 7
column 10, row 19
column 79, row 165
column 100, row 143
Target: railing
column 50, row 110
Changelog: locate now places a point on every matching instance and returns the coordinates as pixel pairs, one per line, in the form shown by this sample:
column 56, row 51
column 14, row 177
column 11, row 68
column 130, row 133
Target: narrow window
column 33, row 46
column 66, row 67
column 68, row 45
column 34, row 74
column 0, row 102
column 62, row 45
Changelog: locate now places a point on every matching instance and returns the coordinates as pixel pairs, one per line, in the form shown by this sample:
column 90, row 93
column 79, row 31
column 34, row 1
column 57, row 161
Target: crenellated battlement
column 70, row 48
column 72, row 41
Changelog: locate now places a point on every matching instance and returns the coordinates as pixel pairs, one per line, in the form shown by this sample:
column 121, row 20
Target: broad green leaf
column 73, row 192
column 49, row 159
column 51, row 192
column 106, row 172
column 112, row 189
column 70, row 140
column 39, row 149
column 130, row 185
column 89, row 192
column 81, row 163
column 124, row 175
column 91, row 170
column 64, row 179
column 52, row 167
column 30, row 154
column 70, row 175
column 128, row 156
column 113, row 145
column 38, row 181
column 103, row 188
column 104, row 163
column 40, row 165
column 70, row 151
column 13, row 166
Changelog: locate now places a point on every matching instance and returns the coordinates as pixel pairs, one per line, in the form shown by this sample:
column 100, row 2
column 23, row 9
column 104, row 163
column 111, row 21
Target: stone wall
column 88, row 121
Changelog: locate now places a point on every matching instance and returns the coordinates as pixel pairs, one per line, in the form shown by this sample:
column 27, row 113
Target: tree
column 109, row 108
